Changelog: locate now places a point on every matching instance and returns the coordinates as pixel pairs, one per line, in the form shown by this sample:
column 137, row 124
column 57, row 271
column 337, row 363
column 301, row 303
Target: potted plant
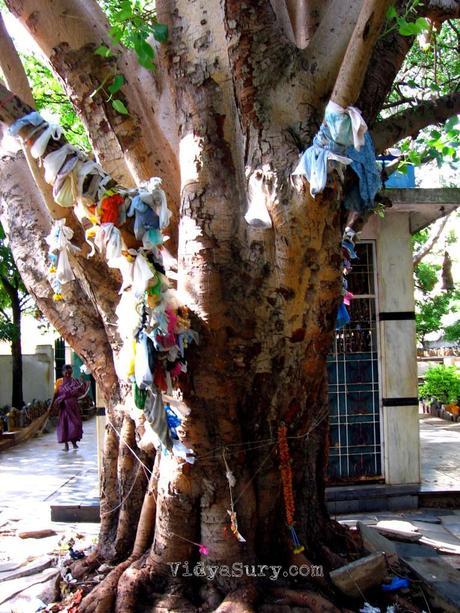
column 442, row 383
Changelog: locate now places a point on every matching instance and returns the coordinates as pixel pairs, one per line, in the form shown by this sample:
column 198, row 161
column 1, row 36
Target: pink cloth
column 69, row 426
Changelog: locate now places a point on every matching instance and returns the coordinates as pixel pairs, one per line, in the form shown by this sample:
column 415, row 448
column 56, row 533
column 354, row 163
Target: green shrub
column 442, row 383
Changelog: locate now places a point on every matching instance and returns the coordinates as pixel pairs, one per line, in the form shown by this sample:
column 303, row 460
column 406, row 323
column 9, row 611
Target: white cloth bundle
column 257, row 214
column 54, row 161
column 151, row 193
column 53, row 131
column 59, row 241
column 108, row 241
column 346, row 125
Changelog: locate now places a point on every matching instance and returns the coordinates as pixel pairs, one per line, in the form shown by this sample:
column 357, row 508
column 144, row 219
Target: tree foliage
column 441, row 383
column 52, row 101
column 432, row 303
column 431, row 69
column 10, row 284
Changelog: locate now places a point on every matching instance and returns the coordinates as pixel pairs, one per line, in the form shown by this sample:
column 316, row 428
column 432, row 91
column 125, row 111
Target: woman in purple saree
column 67, row 392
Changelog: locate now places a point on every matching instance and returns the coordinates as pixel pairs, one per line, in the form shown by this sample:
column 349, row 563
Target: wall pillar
column 398, row 351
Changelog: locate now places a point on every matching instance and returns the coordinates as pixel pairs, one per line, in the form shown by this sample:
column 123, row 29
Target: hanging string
column 125, row 498
column 201, row 548
column 231, row 484
column 131, row 450
column 286, row 477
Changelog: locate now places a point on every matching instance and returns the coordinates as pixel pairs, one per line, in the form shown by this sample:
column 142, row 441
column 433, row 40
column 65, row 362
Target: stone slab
column 28, row 569
column 398, row 529
column 452, row 524
column 9, row 589
column 440, row 580
column 361, row 575
column 85, row 513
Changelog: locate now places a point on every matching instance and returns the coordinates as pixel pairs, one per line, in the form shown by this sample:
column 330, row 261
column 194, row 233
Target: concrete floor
column 439, row 454
column 39, row 471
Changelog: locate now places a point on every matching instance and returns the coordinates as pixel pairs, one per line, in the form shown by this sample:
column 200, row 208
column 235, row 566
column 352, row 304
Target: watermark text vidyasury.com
column 238, row 569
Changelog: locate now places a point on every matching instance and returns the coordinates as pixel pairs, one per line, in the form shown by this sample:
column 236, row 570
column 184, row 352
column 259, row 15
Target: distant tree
column 433, row 301
column 14, row 300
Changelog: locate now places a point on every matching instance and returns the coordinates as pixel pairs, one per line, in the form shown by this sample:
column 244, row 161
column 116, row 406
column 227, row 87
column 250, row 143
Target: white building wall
column 38, row 375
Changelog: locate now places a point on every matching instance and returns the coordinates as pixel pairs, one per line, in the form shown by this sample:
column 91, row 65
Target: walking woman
column 66, row 394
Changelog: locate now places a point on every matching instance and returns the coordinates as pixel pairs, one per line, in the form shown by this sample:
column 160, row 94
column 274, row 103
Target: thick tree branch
column 387, row 58
column 95, row 269
column 14, row 74
column 257, row 51
column 409, row 122
column 283, row 17
column 131, row 147
column 25, row 215
column 440, row 10
column 359, row 51
column 431, row 242
column 305, row 16
column 322, row 59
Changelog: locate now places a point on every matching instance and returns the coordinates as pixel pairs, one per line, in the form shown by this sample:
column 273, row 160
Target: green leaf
column 452, row 122
column 143, row 49
column 125, row 12
column 406, row 28
column 103, row 51
column 145, row 52
column 391, row 12
column 160, row 32
column 116, row 34
column 119, row 106
column 116, row 84
column 422, row 24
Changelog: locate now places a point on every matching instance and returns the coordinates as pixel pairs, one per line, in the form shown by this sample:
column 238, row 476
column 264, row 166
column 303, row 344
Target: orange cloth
column 110, row 212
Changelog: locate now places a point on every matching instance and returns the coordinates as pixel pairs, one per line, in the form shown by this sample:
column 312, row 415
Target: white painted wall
column 38, row 375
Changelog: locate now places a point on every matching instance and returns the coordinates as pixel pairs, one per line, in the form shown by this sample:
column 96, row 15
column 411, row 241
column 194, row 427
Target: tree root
column 239, row 601
column 130, row 582
column 102, row 598
column 331, row 559
column 312, row 600
column 172, row 602
column 80, row 568
column 300, row 559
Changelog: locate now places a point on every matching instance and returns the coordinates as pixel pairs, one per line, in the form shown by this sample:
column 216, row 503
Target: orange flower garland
column 286, row 478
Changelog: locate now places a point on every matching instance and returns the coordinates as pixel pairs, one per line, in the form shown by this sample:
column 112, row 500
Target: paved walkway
column 439, row 454
column 37, row 472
